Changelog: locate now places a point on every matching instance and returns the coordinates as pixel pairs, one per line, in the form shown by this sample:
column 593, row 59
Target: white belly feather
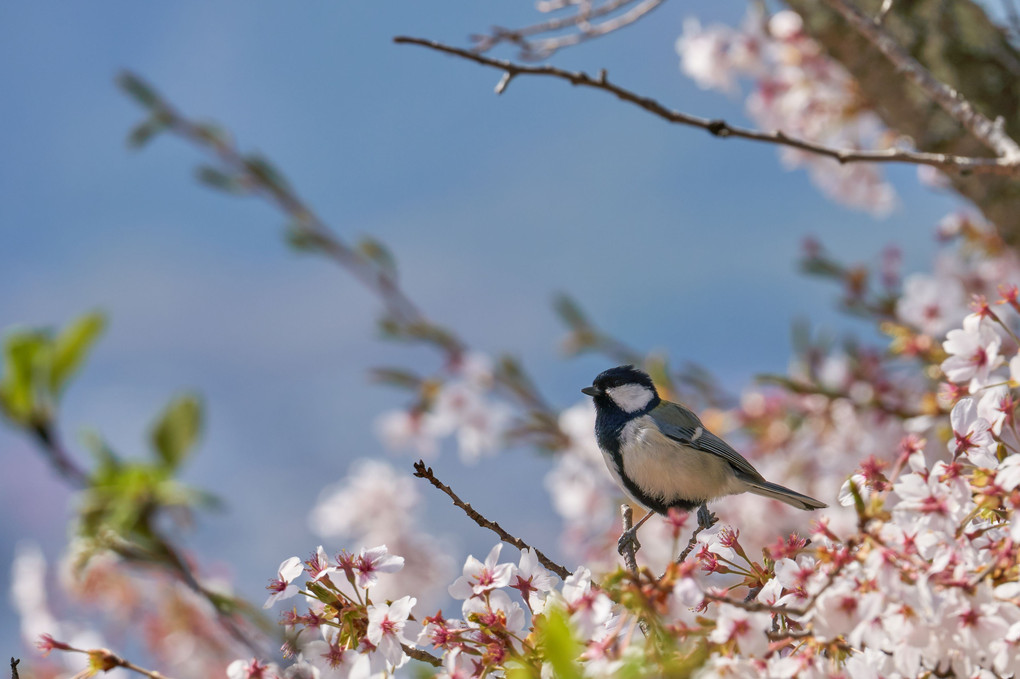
column 663, row 468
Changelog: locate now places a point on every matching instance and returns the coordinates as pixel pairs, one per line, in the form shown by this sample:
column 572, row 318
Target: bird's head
column 624, row 388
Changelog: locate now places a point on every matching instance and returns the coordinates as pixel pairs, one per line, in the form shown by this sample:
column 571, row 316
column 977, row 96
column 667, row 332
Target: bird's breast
column 667, row 470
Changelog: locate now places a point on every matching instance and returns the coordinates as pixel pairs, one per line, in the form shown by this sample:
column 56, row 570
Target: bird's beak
column 590, row 391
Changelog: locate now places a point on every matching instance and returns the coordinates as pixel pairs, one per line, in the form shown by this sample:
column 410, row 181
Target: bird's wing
column 683, row 426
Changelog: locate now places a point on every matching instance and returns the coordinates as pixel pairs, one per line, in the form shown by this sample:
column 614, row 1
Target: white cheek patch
column 631, row 397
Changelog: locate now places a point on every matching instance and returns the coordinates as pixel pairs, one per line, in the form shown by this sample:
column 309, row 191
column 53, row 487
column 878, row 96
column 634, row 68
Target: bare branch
column 581, row 19
column 720, row 128
column 629, row 551
column 991, row 134
column 423, row 472
column 14, row 667
column 421, row 655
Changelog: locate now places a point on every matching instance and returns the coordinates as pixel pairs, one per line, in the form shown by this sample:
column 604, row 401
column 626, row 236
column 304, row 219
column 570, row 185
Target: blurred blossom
column 377, row 505
column 973, row 352
column 932, row 305
column 374, row 498
column 797, row 89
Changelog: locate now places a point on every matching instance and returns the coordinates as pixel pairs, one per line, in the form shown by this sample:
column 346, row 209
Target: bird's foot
column 628, row 539
column 706, row 519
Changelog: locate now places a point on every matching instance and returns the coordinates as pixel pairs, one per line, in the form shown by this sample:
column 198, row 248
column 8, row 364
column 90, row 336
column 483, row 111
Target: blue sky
column 671, row 239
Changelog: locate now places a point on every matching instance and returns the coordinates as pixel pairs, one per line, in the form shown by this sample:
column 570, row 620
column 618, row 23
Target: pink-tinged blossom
column 997, row 406
column 972, row 436
column 252, row 669
column 494, row 611
column 973, row 352
column 532, row 580
column 745, row 628
column 371, row 562
column 932, row 304
column 1007, row 476
column 414, row 431
column 334, row 662
column 479, row 423
column 373, row 499
column 1014, row 370
column 479, row 577
column 318, row 565
column 590, row 610
column 931, row 502
column 387, row 629
column 704, row 55
column 281, row 586
column 457, row 665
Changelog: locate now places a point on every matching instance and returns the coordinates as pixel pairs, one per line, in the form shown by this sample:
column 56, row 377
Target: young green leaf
column 71, row 346
column 25, row 357
column 177, row 429
column 559, row 646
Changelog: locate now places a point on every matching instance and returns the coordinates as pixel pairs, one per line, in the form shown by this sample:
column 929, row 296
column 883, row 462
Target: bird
column 662, row 456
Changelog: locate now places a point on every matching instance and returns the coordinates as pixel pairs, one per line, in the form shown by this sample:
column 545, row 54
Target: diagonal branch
column 423, row 472
column 543, row 48
column 990, row 133
column 1007, row 165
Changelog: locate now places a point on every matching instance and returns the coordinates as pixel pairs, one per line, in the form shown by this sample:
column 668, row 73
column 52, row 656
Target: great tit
column 661, row 455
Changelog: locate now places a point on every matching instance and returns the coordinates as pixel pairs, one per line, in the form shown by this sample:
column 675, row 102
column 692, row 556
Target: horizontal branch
column 423, row 472
column 721, row 128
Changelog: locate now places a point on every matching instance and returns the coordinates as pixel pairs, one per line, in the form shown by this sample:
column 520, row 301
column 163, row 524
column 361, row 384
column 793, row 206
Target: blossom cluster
column 797, row 89
column 461, row 406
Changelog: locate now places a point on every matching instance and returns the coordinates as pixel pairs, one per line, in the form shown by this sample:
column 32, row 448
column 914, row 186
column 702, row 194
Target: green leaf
column 559, row 646
column 177, row 429
column 379, row 255
column 25, row 357
column 570, row 312
column 138, row 89
column 264, row 171
column 71, row 347
column 144, row 131
column 302, row 238
column 220, row 180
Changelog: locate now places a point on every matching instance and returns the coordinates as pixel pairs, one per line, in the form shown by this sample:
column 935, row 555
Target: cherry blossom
column 371, row 562
column 281, row 586
column 973, row 352
column 386, row 629
column 479, row 577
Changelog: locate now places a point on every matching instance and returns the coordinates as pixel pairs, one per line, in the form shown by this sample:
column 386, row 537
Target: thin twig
column 421, row 655
column 46, row 435
column 541, row 49
column 692, row 542
column 104, row 659
column 722, row 129
column 14, row 668
column 630, row 549
column 255, row 176
column 165, row 552
column 423, row 472
column 990, row 133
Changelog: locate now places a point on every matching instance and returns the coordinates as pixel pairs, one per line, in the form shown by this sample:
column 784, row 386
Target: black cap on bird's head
column 626, row 387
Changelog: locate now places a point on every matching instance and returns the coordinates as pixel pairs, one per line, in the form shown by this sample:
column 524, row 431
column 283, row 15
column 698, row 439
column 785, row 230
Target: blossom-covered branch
column 991, row 133
column 424, row 472
column 720, row 128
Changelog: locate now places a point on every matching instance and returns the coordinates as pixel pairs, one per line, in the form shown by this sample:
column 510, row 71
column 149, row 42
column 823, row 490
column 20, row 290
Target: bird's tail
column 790, row 497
